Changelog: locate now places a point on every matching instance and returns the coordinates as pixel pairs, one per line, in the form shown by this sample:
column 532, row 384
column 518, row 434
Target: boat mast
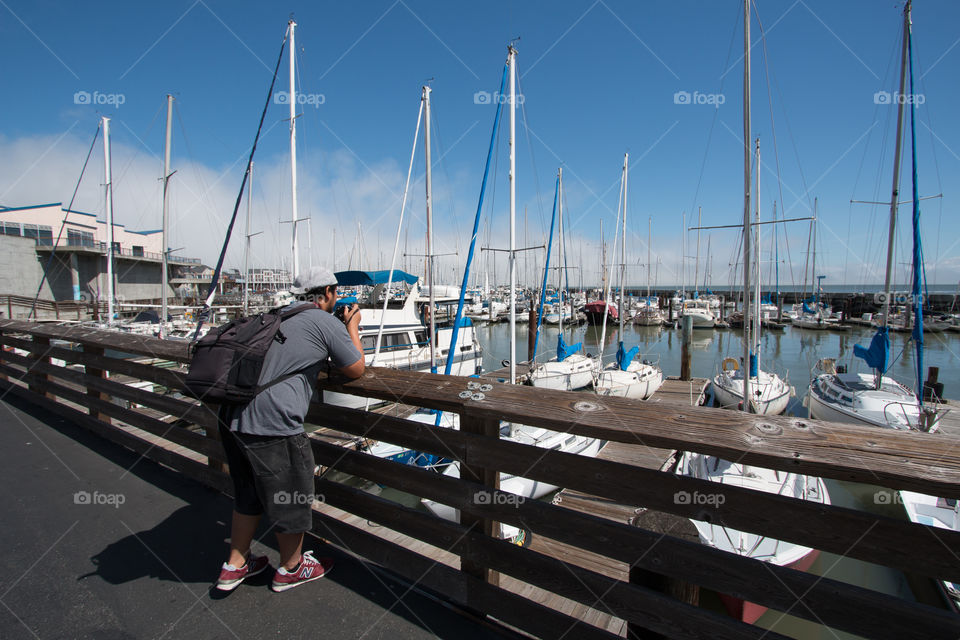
column 108, row 195
column 512, row 59
column 165, row 251
column 649, row 240
column 429, row 200
column 814, row 283
column 292, row 100
column 562, row 261
column 756, row 299
column 746, row 208
column 623, row 242
column 894, row 198
column 696, row 264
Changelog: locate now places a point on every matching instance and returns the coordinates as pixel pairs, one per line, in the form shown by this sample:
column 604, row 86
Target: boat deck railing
column 465, row 564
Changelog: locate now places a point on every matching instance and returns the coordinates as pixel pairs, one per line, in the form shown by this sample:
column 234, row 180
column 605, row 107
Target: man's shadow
column 185, row 547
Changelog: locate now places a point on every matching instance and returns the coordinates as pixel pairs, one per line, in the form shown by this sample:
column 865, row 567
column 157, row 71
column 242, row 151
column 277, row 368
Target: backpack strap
column 289, row 313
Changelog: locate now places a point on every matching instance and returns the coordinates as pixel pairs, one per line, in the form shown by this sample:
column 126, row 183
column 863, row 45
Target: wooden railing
column 181, row 434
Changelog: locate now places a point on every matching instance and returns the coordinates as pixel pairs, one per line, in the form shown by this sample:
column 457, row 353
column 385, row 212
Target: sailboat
column 626, row 377
column 723, row 472
column 769, row 394
column 536, row 436
column 649, row 313
column 877, row 399
column 569, row 369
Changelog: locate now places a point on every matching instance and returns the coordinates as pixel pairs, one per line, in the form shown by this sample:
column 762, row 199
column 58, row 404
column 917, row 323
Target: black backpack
column 227, row 362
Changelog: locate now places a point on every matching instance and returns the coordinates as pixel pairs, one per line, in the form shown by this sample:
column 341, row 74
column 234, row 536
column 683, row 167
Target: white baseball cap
column 314, row 278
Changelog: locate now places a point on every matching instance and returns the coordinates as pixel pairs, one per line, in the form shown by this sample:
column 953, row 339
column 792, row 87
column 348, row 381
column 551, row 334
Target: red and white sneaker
column 231, row 576
column 310, row 569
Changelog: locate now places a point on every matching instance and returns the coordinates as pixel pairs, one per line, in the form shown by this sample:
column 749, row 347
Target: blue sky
column 598, row 79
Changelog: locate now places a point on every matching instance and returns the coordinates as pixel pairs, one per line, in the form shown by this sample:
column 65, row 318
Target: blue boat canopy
column 370, row 278
column 876, row 355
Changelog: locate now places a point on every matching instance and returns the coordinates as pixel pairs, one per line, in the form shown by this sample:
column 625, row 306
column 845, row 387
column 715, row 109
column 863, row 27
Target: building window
column 77, row 238
column 44, row 235
column 30, row 231
column 137, row 250
column 11, row 228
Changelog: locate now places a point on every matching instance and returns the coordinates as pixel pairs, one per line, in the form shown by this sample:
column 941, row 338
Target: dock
column 614, row 554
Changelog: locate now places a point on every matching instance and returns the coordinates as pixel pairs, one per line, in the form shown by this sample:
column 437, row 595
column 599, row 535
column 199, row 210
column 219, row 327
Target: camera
column 340, row 312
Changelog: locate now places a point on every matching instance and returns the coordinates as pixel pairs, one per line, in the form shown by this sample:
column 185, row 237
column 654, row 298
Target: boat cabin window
column 421, row 337
column 391, row 342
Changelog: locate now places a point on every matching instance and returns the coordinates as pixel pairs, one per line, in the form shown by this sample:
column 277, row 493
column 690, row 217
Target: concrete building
column 66, row 251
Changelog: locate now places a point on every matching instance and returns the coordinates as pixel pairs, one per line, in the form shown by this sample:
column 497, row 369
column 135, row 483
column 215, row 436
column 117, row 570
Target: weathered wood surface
column 929, row 463
column 160, row 375
column 633, row 603
column 865, row 536
column 127, row 343
column 448, row 583
column 191, row 468
column 827, row 601
column 683, row 392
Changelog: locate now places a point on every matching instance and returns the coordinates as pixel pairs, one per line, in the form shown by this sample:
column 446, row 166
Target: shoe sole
column 233, row 584
column 284, row 586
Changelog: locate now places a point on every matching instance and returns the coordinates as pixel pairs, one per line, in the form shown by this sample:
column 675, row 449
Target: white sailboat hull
column 574, row 372
column 771, row 395
column 639, row 381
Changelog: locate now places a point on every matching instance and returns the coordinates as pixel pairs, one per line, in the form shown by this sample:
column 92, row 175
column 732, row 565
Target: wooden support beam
column 488, row 477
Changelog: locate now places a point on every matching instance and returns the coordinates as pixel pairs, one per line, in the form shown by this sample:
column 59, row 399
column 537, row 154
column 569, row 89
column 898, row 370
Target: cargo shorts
column 272, row 475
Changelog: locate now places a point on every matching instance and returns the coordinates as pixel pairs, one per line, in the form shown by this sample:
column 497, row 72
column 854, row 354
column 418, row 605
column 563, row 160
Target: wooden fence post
column 93, row 393
column 489, row 477
column 41, row 376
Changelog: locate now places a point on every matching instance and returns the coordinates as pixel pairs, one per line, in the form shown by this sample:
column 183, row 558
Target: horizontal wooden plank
column 173, row 433
column 647, row 608
column 190, row 468
column 844, row 531
column 826, row 601
column 160, row 375
column 454, row 586
column 929, row 463
column 200, row 414
column 116, row 340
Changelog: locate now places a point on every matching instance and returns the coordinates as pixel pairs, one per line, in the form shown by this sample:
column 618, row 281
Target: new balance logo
column 307, row 572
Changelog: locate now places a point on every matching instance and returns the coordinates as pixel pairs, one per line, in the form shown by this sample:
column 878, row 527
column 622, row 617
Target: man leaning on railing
column 271, row 461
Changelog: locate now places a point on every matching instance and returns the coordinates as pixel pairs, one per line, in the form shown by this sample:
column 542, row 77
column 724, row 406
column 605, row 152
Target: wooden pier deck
column 676, row 391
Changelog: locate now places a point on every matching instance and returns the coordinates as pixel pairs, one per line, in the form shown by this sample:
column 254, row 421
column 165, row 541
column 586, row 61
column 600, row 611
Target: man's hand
column 351, row 316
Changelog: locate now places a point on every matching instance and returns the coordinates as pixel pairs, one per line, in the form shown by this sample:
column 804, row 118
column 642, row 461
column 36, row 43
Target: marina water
column 793, row 352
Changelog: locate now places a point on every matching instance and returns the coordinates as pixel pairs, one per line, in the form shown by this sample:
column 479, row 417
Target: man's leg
column 290, row 545
column 242, row 529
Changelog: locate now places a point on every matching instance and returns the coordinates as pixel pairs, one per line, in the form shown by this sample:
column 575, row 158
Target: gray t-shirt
column 312, row 336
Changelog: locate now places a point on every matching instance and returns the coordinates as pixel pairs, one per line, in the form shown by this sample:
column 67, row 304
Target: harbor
column 617, row 339
column 145, row 419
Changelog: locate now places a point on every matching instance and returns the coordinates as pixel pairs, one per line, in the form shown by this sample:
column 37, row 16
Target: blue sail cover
column 371, row 278
column 876, row 355
column 807, row 309
column 624, row 358
column 563, row 350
